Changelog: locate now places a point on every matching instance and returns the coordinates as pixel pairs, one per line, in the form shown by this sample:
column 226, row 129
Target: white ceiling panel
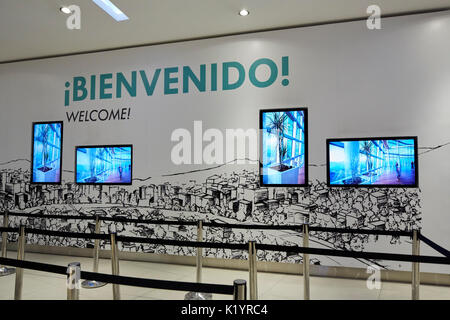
column 30, row 29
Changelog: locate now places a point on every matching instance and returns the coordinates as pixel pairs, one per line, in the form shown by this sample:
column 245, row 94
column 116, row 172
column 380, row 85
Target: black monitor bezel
column 32, row 153
column 401, row 186
column 104, row 183
column 261, row 112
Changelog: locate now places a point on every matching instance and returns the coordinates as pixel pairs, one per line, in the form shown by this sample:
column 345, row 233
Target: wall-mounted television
column 46, row 152
column 373, row 162
column 283, row 149
column 108, row 164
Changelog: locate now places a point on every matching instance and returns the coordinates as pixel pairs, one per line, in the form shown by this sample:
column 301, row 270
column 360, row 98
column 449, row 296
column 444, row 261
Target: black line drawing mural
column 227, row 197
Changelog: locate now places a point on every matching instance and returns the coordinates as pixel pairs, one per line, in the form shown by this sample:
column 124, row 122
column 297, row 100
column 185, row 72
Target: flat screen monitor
column 46, row 154
column 377, row 162
column 104, row 164
column 283, row 158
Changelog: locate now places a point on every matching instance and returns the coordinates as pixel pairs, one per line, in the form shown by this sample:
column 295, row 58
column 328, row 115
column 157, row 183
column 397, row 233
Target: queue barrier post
column 199, row 251
column 306, row 288
column 19, row 271
column 415, row 274
column 199, row 268
column 240, row 289
column 253, row 273
column 4, row 270
column 115, row 265
column 73, row 281
column 4, row 235
column 92, row 284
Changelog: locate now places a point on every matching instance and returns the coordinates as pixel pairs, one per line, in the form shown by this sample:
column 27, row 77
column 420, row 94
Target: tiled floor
column 41, row 285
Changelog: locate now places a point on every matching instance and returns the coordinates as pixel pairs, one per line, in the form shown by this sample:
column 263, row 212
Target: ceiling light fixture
column 111, row 9
column 65, row 10
column 244, row 12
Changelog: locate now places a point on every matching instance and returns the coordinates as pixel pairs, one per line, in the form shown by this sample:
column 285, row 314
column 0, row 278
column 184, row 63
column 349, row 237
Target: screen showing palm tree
column 47, row 155
column 373, row 161
column 104, row 164
column 283, row 147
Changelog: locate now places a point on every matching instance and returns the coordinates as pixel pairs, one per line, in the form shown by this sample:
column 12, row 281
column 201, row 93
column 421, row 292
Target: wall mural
column 227, row 197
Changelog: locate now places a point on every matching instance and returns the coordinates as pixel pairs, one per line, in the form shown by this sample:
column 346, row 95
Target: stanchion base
column 92, row 284
column 198, row 296
column 5, row 271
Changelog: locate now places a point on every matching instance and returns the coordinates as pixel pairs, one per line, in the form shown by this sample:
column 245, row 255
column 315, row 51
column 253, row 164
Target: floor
column 271, row 286
column 407, row 176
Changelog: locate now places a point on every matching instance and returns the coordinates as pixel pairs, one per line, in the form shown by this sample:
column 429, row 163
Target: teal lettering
column 66, row 94
column 79, row 84
column 168, row 80
column 150, row 88
column 122, row 81
column 226, row 85
column 273, row 73
column 93, row 87
column 214, row 77
column 189, row 74
column 104, row 86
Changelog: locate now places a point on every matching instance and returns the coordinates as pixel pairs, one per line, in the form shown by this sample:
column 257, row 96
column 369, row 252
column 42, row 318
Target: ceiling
column 32, row 29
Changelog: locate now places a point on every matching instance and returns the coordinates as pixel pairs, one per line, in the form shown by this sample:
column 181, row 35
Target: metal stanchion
column 115, row 265
column 253, row 272
column 240, row 289
column 199, row 263
column 199, row 251
column 19, row 271
column 4, row 235
column 5, row 271
column 415, row 274
column 92, row 284
column 306, row 295
column 73, row 281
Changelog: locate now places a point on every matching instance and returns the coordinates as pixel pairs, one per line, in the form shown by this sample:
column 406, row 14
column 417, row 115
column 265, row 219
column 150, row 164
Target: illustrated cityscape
column 231, row 197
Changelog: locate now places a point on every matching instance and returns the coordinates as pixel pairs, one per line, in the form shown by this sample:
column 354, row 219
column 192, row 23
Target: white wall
column 355, row 82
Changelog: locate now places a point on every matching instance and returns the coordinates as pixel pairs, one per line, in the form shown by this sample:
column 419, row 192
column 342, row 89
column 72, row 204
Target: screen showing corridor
column 104, row 164
column 386, row 162
column 283, row 145
column 47, row 152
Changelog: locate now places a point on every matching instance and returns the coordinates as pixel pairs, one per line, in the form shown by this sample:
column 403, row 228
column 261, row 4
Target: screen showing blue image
column 384, row 162
column 283, row 147
column 104, row 164
column 46, row 157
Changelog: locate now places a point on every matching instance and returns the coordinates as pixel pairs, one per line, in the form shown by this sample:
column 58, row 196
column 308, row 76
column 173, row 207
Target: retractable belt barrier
column 363, row 231
column 356, row 254
column 124, row 280
column 434, row 245
column 215, row 224
column 149, row 221
column 79, row 235
column 242, row 246
column 253, row 226
column 51, row 216
column 194, row 244
column 9, row 229
column 251, row 247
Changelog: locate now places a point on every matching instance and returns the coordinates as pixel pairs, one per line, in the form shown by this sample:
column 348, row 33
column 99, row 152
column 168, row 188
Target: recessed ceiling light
column 244, row 12
column 65, row 10
column 111, row 9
